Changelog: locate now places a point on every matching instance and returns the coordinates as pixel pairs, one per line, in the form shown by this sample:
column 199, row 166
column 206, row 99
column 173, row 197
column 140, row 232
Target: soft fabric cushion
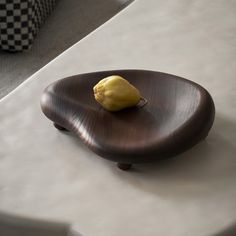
column 20, row 21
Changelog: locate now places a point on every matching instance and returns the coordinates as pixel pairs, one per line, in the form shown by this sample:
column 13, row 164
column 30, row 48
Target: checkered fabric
column 20, row 21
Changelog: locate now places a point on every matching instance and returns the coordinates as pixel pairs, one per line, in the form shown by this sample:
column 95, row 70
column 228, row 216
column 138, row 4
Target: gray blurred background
column 70, row 21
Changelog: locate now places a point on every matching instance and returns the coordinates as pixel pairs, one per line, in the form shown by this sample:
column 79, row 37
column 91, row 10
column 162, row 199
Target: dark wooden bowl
column 178, row 115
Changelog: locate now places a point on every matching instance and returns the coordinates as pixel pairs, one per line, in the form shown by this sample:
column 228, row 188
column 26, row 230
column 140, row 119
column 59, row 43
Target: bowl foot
column 59, row 127
column 124, row 166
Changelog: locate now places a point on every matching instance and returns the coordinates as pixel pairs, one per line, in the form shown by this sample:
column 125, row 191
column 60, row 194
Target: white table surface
column 52, row 175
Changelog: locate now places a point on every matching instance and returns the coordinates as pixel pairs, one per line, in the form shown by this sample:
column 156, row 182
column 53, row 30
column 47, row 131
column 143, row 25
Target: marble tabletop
column 51, row 175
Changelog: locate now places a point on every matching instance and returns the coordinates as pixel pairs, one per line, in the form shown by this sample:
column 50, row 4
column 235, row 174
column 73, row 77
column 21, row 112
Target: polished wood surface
column 178, row 115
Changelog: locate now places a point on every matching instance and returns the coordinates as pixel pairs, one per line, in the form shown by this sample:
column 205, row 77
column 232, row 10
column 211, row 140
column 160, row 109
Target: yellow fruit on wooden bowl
column 114, row 93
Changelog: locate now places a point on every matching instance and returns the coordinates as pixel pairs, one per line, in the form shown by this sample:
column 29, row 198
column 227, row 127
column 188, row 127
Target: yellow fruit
column 115, row 93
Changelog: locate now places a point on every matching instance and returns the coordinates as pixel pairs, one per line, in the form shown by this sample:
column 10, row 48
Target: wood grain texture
column 178, row 115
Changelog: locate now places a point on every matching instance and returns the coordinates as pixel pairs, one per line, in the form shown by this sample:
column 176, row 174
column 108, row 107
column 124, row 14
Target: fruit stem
column 143, row 101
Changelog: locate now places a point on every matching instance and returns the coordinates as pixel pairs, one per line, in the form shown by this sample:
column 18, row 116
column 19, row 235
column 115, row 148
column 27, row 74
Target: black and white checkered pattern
column 20, row 21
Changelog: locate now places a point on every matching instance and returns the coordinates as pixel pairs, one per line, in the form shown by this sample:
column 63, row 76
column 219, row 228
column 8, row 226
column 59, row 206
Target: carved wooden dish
column 178, row 115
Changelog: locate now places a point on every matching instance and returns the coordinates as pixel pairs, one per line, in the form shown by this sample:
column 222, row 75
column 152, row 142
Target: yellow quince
column 114, row 93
